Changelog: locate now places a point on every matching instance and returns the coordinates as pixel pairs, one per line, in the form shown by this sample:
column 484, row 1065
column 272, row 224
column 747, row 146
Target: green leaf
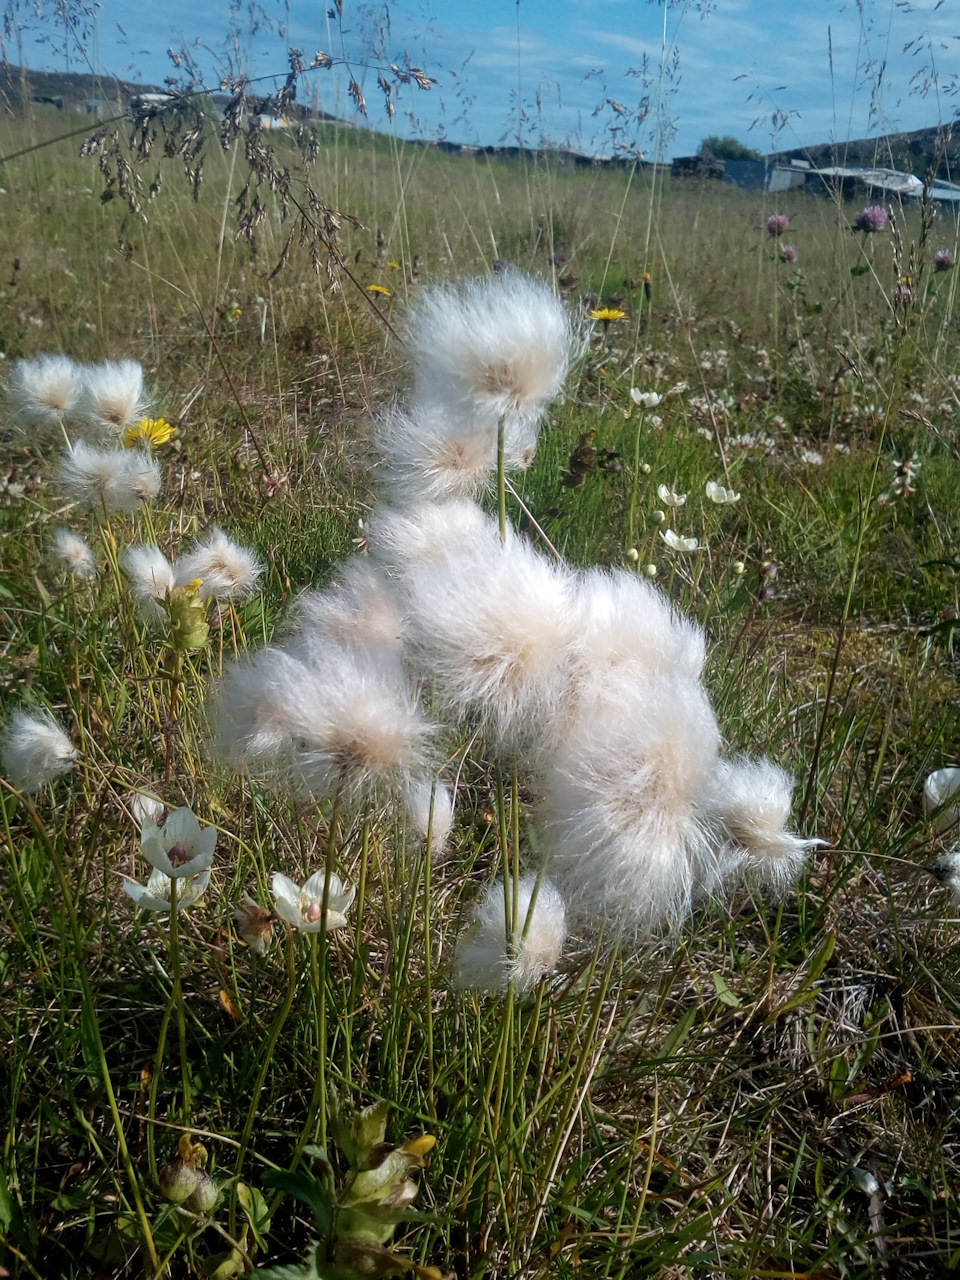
column 724, row 994
column 678, row 1034
column 860, row 269
column 302, row 1185
column 309, row 1269
column 256, row 1212
column 90, row 1043
column 9, row 1212
column 223, row 1266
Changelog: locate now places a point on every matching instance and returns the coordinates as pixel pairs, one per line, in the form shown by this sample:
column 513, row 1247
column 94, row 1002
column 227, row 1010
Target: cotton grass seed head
column 113, row 480
column 34, row 750
column 621, row 805
column 113, row 397
column 490, row 348
column 74, row 554
column 344, row 723
column 359, row 610
column 485, row 960
column 225, row 570
column 151, row 578
column 429, row 806
column 751, row 799
column 431, row 533
column 45, row 391
column 429, row 456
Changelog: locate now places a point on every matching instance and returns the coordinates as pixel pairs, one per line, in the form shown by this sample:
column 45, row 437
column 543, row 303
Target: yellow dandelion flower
column 607, row 314
column 395, row 265
column 379, row 288
column 148, row 431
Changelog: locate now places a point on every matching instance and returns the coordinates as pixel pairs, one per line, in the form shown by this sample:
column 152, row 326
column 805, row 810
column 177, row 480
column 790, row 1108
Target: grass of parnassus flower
column 693, row 1111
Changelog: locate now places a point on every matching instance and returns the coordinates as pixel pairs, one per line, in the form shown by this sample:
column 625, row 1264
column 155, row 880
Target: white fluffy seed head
column 429, row 456
column 626, row 624
column 43, row 392
column 116, row 480
column 751, row 800
column 621, row 805
column 359, row 610
column 495, row 628
column 71, row 551
column 344, row 722
column 430, row 533
column 35, row 750
column 151, row 578
column 490, row 349
column 429, row 805
column 227, row 571
column 113, row 397
column 484, row 961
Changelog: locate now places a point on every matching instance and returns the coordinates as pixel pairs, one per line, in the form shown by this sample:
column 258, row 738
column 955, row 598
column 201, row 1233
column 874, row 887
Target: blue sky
column 758, row 70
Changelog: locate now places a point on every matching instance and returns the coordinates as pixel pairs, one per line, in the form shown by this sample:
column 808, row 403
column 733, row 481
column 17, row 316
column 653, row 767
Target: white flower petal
column 285, row 891
column 649, row 399
column 676, row 543
column 939, row 787
column 182, row 828
column 669, row 497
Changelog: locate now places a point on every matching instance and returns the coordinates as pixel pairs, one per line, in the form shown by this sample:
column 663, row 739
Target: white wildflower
column 676, row 543
column 483, row 959
column 146, row 808
column 226, row 570
column 74, row 554
column 113, row 397
column 44, row 391
column 942, row 785
column 181, row 847
column 648, row 399
column 721, row 496
column 303, row 908
column 156, row 894
column 35, row 750
column 669, row 498
column 811, row 457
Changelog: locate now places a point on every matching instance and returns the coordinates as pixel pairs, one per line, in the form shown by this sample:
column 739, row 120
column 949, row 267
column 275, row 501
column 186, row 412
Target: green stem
column 502, row 479
column 93, row 1022
column 631, row 519
column 176, row 998
column 272, row 1038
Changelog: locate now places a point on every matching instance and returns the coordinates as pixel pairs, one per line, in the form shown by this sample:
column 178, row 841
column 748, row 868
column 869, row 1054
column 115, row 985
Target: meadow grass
column 710, row 1107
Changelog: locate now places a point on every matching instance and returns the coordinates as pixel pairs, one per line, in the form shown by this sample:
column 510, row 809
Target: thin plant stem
column 176, row 998
column 502, row 479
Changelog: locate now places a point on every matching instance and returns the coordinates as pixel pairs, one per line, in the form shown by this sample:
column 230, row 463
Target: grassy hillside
column 767, row 1091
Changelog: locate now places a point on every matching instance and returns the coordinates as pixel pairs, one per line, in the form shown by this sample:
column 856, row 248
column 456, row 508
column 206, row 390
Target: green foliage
column 727, row 148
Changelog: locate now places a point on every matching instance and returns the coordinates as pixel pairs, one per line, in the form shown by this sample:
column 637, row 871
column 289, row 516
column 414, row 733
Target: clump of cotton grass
column 428, row 455
column 45, row 391
column 226, row 571
column 344, row 724
column 430, row 533
column 430, row 813
column 151, row 578
column 621, row 807
column 751, row 800
column 34, row 750
column 113, row 398
column 74, row 554
column 359, row 610
column 112, row 480
column 485, row 959
column 625, row 624
column 495, row 629
column 491, row 350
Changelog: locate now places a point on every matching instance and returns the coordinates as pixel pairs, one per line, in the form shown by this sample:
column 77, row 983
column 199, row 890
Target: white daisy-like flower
column 647, row 399
column 671, row 499
column 303, row 908
column 44, row 391
column 226, row 569
column 483, row 959
column 181, row 847
column 676, row 543
column 721, row 496
column 156, row 894
column 74, row 554
column 941, row 786
column 34, row 751
column 113, row 397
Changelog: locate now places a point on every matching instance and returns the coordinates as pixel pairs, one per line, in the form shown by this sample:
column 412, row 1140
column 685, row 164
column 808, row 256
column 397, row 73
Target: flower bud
column 646, row 468
column 650, row 570
column 633, row 555
column 739, row 567
column 659, row 517
column 178, row 1180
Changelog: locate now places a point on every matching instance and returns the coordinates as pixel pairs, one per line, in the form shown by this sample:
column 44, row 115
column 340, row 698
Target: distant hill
column 919, row 152
column 70, row 90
